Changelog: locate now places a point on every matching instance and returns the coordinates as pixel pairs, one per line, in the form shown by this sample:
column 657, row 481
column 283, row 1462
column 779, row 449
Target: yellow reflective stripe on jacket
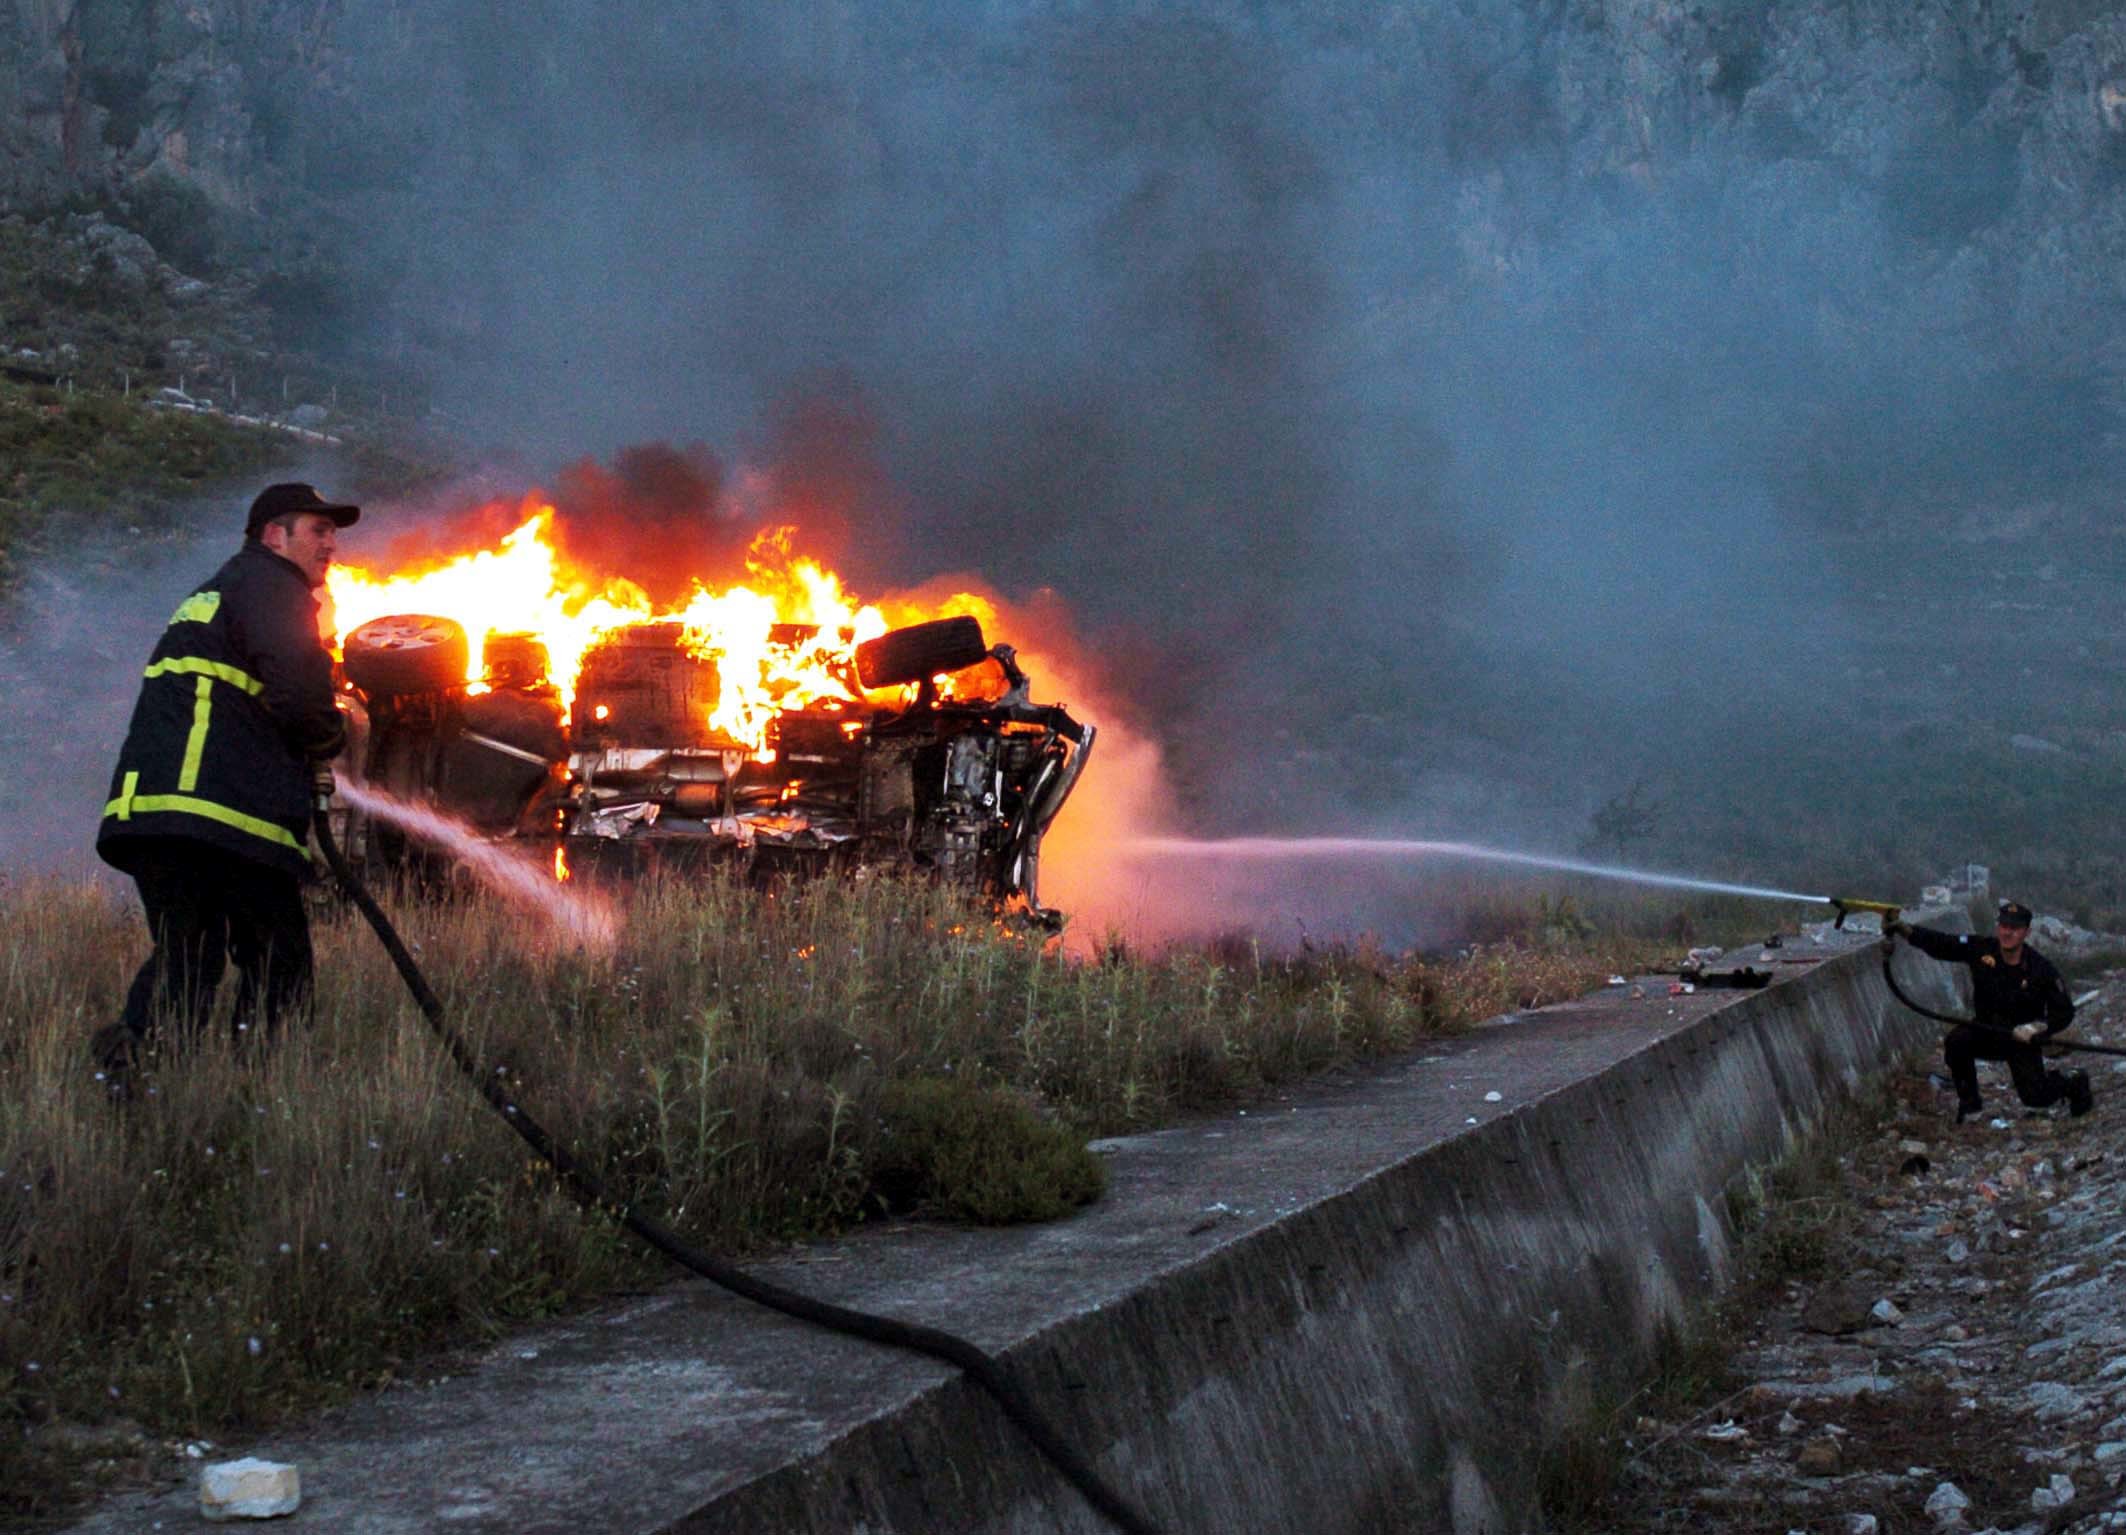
column 196, row 742
column 220, row 671
column 127, row 803
column 197, row 608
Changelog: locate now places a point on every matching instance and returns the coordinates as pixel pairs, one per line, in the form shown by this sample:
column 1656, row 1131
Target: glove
column 1896, row 927
column 2026, row 1032
column 322, row 783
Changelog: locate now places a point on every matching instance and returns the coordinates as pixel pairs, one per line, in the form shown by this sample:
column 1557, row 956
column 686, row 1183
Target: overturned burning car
column 924, row 750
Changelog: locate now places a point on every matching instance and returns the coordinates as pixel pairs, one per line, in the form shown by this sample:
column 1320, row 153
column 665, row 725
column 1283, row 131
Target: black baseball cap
column 289, row 500
column 2013, row 914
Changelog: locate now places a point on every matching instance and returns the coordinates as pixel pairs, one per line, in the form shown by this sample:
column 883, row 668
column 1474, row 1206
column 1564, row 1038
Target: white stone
column 1885, row 1310
column 2049, row 1401
column 2056, row 1493
column 1946, row 1505
column 1861, row 1524
column 249, row 1489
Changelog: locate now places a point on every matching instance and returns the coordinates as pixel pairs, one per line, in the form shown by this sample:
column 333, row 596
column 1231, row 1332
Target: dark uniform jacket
column 236, row 703
column 2002, row 995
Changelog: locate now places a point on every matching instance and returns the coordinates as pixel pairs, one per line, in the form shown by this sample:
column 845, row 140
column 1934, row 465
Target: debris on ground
column 1956, row 1362
column 249, row 1489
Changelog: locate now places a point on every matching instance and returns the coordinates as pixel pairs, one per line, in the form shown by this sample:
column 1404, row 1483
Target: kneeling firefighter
column 2018, row 1001
column 209, row 811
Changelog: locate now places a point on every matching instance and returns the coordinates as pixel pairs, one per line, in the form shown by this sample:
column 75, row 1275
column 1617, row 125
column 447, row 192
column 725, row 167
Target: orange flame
column 524, row 586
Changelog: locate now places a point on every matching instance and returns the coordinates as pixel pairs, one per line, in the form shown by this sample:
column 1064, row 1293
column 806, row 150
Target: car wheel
column 408, row 653
column 920, row 651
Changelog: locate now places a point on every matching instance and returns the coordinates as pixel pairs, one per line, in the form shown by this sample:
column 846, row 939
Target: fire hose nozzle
column 1847, row 905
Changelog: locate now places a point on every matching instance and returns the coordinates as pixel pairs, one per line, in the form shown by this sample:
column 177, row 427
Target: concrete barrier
column 1370, row 1306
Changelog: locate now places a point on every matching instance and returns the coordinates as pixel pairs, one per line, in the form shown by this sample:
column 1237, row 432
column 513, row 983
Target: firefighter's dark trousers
column 1968, row 1045
column 206, row 907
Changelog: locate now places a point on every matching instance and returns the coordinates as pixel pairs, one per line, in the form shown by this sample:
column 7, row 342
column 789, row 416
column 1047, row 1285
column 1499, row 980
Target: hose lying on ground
column 1890, row 978
column 587, row 1188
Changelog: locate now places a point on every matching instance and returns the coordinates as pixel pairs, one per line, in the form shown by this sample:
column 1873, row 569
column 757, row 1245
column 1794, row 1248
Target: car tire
column 406, row 653
column 920, row 651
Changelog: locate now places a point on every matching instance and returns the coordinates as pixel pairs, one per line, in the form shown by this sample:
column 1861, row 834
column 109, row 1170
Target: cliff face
column 1991, row 138
column 97, row 92
column 96, row 95
column 1887, row 190
column 1996, row 134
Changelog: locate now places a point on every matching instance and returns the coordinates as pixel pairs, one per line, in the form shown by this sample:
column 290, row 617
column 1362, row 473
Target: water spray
column 585, row 919
column 1282, row 849
column 1285, row 849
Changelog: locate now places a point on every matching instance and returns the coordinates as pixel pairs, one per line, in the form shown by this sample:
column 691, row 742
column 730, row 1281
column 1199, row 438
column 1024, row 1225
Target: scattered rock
column 2057, row 1493
column 99, row 244
column 2049, row 1401
column 1886, row 1312
column 1946, row 1506
column 1820, row 1457
column 249, row 1489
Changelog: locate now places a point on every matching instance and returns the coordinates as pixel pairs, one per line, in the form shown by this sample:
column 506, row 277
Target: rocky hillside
column 1995, row 137
column 100, row 97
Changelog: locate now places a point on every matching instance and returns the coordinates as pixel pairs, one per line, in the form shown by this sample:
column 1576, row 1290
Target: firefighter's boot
column 2079, row 1099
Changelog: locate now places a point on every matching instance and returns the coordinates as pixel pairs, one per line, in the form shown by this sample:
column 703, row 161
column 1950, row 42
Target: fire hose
column 589, row 1190
column 1889, row 976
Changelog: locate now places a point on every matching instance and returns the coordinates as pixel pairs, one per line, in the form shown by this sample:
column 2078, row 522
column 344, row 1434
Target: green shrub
column 979, row 1154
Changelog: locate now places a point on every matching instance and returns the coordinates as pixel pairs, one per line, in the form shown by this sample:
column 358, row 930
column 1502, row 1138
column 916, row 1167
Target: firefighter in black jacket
column 209, row 809
column 2017, row 1000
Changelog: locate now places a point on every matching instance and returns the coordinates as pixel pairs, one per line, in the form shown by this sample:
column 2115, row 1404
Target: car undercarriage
column 928, row 756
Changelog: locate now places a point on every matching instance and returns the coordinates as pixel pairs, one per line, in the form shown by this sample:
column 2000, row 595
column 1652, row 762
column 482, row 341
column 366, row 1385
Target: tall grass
column 267, row 1227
